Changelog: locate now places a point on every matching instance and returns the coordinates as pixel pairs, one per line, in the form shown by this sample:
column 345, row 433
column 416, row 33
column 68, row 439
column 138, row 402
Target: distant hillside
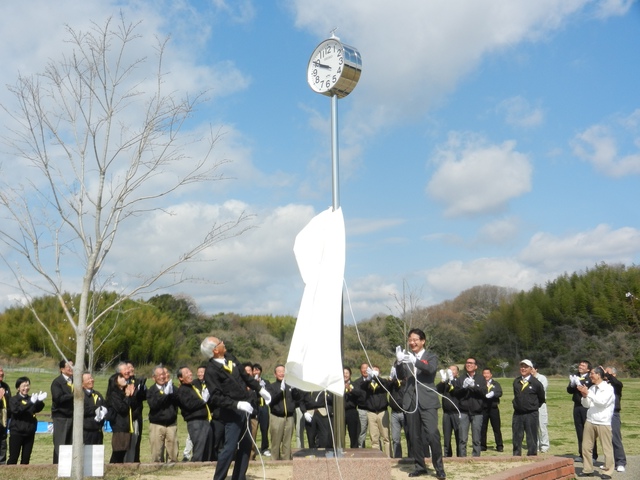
column 590, row 315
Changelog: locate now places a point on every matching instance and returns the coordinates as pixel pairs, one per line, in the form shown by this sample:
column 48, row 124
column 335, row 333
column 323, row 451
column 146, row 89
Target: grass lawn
column 561, row 430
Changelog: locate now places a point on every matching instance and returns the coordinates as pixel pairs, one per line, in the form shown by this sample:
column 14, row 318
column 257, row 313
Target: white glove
column 572, row 380
column 399, row 354
column 168, row 388
column 308, row 417
column 490, row 394
column 392, row 373
column 409, row 358
column 34, row 397
column 245, row 407
column 262, row 383
column 282, row 385
column 443, row 376
column 205, row 394
column 97, row 417
column 103, row 413
column 266, row 395
column 449, row 375
column 42, row 396
column 370, row 373
column 468, row 382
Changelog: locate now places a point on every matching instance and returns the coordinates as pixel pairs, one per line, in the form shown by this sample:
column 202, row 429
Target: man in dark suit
column 491, row 411
column 227, row 382
column 419, row 367
column 62, row 407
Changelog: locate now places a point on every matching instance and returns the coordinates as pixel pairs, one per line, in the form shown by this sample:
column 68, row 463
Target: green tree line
column 590, row 315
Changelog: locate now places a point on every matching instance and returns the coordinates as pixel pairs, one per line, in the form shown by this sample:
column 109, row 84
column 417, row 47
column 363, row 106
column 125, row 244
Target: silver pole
column 334, row 152
column 338, row 406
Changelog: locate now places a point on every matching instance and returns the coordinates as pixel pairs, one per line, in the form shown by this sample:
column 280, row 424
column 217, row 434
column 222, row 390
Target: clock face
column 325, row 66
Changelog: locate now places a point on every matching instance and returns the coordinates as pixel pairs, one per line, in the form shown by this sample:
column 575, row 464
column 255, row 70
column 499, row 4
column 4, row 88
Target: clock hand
column 321, row 65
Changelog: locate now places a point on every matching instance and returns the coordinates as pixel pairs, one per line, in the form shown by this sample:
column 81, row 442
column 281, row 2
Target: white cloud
column 448, row 280
column 551, row 253
column 519, row 112
column 414, row 45
column 473, row 177
column 608, row 8
column 599, row 146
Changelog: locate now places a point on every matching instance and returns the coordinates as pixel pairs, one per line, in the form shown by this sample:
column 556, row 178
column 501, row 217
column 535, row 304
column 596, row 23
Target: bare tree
column 408, row 312
column 98, row 144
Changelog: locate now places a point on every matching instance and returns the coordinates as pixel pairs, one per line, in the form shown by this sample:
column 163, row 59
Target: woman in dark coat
column 23, row 408
column 120, row 403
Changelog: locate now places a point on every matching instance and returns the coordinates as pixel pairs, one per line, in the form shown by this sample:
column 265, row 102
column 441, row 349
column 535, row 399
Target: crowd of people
column 228, row 401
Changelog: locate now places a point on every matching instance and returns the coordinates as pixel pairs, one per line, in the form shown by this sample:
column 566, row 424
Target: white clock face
column 325, row 66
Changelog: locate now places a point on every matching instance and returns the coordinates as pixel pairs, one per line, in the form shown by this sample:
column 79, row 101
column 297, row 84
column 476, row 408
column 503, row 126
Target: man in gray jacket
column 421, row 402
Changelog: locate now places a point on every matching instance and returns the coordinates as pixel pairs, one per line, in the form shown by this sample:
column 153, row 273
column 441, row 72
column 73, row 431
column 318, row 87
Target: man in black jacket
column 195, row 411
column 283, row 409
column 528, row 395
column 227, row 383
column 470, row 393
column 491, row 411
column 376, row 404
column 619, row 456
column 62, row 407
column 163, row 417
column 5, row 414
column 94, row 412
column 450, row 409
column 351, row 416
column 580, row 412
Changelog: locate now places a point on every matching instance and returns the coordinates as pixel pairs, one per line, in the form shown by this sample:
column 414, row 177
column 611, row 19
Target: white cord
column 253, row 441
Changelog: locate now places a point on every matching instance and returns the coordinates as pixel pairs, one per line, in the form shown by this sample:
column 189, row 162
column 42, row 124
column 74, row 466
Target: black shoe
column 586, row 475
column 441, row 475
column 484, row 449
column 605, row 476
column 500, row 449
column 418, row 473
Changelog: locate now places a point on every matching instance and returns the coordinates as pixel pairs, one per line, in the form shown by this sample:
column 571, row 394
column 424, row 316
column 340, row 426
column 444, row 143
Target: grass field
column 561, row 430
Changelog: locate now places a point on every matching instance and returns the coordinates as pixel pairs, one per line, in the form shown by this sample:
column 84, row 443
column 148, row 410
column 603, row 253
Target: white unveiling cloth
column 315, row 356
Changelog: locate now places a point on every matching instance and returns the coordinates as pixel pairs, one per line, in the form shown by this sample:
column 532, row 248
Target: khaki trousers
column 281, row 431
column 590, row 435
column 379, row 430
column 163, row 440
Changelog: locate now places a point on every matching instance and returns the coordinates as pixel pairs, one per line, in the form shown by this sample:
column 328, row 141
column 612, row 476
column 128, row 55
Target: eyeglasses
column 215, row 345
column 470, row 363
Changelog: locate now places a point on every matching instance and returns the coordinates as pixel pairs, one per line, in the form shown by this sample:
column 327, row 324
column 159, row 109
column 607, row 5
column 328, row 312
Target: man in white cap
column 528, row 396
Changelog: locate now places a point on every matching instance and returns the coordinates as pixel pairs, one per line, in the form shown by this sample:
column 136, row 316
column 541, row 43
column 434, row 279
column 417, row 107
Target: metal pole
column 334, row 152
column 338, row 405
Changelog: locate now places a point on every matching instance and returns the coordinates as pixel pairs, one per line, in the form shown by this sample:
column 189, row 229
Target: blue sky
column 487, row 142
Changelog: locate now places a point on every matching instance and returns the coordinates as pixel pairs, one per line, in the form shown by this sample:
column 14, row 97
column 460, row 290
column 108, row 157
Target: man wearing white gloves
column 491, row 411
column 450, row 409
column 470, row 392
column 599, row 400
column 580, row 412
column 195, row 411
column 163, row 417
column 421, row 402
column 227, row 383
column 94, row 412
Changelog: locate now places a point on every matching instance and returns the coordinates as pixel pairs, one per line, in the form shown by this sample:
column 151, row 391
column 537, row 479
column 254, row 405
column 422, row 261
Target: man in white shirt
column 600, row 401
column 543, row 415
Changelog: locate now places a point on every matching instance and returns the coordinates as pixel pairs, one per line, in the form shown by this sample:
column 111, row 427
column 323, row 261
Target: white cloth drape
column 315, row 356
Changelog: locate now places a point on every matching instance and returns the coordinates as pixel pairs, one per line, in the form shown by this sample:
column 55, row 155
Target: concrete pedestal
column 354, row 464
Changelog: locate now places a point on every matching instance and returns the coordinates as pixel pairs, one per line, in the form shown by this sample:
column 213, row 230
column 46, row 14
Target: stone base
column 354, row 464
